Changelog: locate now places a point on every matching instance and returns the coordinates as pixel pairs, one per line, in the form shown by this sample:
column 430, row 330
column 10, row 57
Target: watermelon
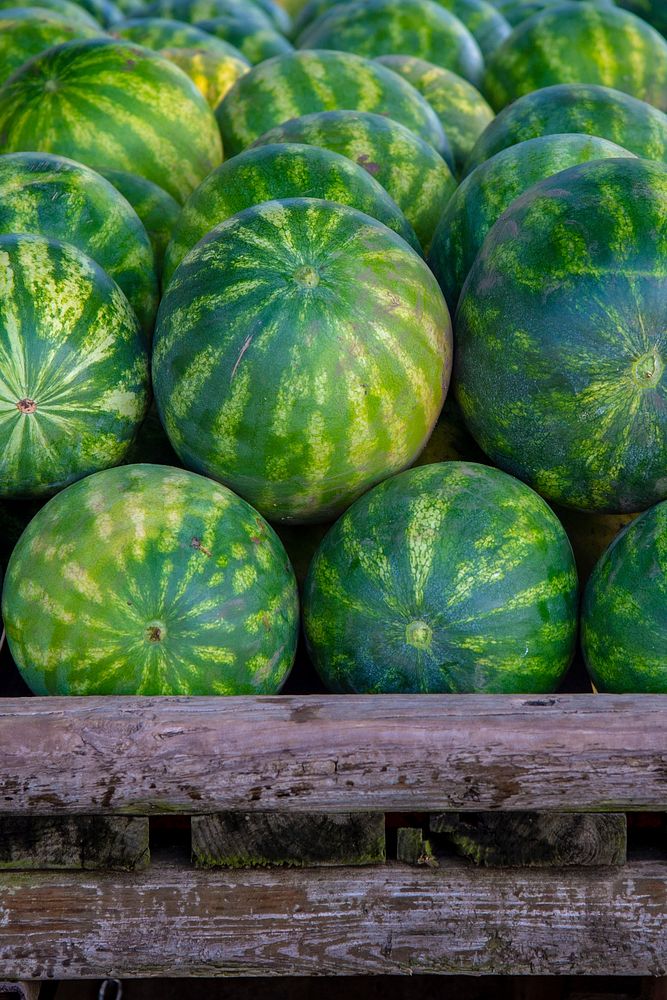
column 157, row 210
column 624, row 613
column 58, row 198
column 112, row 105
column 302, row 354
column 213, row 75
column 653, row 11
column 303, row 82
column 277, row 14
column 491, row 188
column 74, row 371
column 70, row 11
column 562, row 337
column 256, row 44
column 27, row 31
column 385, row 27
column 580, row 43
column 452, row 577
column 154, row 581
column 162, row 33
column 273, row 172
column 407, row 167
column 601, row 111
column 590, row 535
column 463, row 112
column 197, row 10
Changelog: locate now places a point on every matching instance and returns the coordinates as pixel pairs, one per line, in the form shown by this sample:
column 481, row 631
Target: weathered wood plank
column 447, row 753
column 528, row 838
column 386, row 919
column 258, row 839
column 88, row 842
column 409, row 845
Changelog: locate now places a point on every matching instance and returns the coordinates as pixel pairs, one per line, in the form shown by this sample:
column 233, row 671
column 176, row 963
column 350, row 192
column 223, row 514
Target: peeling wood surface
column 436, row 753
column 527, row 838
column 238, row 840
column 88, row 842
column 179, row 921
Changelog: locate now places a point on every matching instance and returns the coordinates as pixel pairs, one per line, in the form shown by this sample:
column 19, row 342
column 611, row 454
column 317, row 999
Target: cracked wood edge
column 382, row 753
column 388, row 920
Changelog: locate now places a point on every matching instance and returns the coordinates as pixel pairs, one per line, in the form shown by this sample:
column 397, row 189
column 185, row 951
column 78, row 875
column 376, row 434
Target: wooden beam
column 392, row 919
column 433, row 753
column 88, row 842
column 237, row 840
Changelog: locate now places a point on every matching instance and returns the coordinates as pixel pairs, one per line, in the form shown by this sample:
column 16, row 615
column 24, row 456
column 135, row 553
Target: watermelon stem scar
column 419, row 635
column 307, row 276
column 26, row 405
column 155, row 632
column 648, row 369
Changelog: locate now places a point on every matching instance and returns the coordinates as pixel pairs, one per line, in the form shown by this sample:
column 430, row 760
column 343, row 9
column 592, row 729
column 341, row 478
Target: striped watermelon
column 197, row 10
column 27, row 31
column 562, row 337
column 105, row 12
column 150, row 580
column 112, row 105
column 68, row 10
column 448, row 578
column 624, row 614
column 157, row 210
column 74, row 372
column 162, row 33
column 302, row 354
column 484, row 22
column 517, row 11
column 594, row 110
column 652, row 11
column 407, row 167
column 463, row 112
column 491, row 188
column 580, row 43
column 303, row 82
column 420, row 28
column 256, row 44
column 274, row 172
column 213, row 75
column 58, row 198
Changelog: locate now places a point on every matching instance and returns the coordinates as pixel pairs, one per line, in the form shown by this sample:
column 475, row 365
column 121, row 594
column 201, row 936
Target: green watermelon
column 273, row 172
column 463, row 112
column 162, row 33
column 214, row 75
column 277, row 14
column 105, row 12
column 579, row 43
column 562, row 337
column 70, row 11
column 653, row 11
column 112, row 105
column 407, row 167
column 197, row 10
column 386, row 27
column 491, row 188
column 303, row 82
column 27, row 31
column 302, row 354
column 157, row 210
column 624, row 614
column 448, row 578
column 150, row 580
column 593, row 110
column 256, row 44
column 74, row 371
column 58, row 198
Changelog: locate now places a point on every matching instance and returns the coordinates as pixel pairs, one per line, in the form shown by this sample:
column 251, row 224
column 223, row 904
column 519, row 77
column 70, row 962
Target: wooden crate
column 299, row 767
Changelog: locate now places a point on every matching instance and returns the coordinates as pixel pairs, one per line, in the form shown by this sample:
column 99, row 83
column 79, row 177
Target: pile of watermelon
column 338, row 327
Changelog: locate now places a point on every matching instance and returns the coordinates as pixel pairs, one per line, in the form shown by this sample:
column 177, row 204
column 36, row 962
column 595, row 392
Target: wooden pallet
column 325, row 835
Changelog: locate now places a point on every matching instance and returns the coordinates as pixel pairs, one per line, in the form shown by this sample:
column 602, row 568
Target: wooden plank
column 238, row 840
column 88, row 842
column 537, row 839
column 180, row 921
column 447, row 753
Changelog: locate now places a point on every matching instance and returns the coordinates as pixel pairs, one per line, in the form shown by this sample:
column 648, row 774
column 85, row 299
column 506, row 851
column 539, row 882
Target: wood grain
column 527, row 838
column 427, row 753
column 180, row 921
column 89, row 842
column 238, row 840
